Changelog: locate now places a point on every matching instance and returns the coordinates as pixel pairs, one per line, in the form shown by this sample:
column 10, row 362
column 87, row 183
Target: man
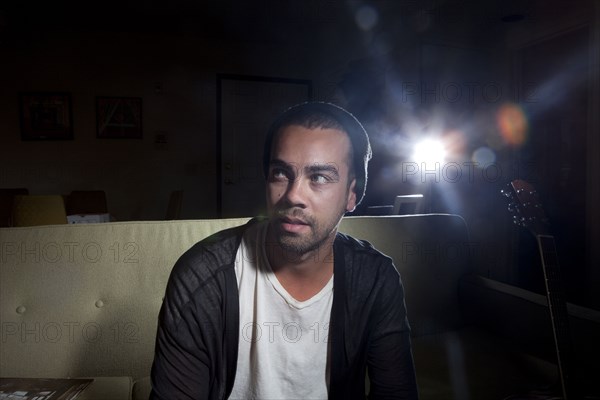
column 287, row 307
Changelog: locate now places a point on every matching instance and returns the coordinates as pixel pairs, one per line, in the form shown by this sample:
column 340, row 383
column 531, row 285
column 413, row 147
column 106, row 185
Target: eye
column 279, row 174
column 319, row 179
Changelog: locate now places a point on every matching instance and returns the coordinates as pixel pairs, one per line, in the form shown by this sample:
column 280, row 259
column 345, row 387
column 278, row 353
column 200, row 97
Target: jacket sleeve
column 182, row 366
column 389, row 355
column 178, row 372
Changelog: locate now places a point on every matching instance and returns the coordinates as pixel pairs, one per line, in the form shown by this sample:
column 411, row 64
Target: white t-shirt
column 283, row 343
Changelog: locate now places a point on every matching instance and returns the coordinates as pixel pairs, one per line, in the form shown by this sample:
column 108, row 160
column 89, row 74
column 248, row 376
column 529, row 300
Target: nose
column 295, row 194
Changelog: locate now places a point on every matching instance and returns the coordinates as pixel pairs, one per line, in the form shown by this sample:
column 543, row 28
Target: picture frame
column 46, row 116
column 119, row 117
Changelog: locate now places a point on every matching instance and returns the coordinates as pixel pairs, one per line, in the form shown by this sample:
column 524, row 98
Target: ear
column 351, row 202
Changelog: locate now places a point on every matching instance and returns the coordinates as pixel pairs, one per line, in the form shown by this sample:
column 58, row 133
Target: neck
column 302, row 275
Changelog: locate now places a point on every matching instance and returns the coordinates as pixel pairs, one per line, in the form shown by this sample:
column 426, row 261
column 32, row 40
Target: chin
column 298, row 246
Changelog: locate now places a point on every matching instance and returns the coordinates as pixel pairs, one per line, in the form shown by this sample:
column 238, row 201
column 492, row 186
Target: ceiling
column 266, row 19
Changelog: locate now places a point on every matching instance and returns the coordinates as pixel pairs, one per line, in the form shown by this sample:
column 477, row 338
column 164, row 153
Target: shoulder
column 370, row 285
column 202, row 269
column 363, row 253
column 212, row 252
column 366, row 269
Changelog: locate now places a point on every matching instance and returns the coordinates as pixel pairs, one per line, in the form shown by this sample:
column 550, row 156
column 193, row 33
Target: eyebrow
column 311, row 169
column 280, row 164
column 316, row 168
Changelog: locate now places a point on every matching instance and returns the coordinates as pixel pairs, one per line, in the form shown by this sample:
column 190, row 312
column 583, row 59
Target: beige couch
column 83, row 300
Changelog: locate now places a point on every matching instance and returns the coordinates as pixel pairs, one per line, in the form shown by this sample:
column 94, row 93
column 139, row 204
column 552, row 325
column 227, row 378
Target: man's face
column 309, row 187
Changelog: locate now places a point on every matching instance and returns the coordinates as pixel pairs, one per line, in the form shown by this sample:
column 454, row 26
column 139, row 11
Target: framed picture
column 46, row 116
column 119, row 117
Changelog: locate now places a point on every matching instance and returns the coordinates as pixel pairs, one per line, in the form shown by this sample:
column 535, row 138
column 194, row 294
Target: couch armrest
column 521, row 318
column 142, row 389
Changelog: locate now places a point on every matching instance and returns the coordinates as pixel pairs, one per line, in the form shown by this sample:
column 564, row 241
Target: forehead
column 311, row 144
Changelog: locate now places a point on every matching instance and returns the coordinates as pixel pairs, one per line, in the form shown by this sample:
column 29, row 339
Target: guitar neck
column 558, row 308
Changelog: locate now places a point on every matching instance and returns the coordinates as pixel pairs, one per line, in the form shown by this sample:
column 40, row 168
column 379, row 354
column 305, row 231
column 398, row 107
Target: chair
column 6, row 204
column 408, row 204
column 31, row 210
column 86, row 202
column 174, row 207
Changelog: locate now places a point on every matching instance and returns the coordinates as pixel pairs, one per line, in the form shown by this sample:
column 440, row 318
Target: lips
column 293, row 220
column 293, row 224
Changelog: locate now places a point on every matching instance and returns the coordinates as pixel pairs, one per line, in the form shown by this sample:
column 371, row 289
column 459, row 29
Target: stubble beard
column 298, row 245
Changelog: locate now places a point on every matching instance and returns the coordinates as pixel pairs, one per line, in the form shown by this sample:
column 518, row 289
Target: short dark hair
column 326, row 116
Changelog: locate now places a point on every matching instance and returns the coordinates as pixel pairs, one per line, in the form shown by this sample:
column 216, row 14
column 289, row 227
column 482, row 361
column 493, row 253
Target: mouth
column 293, row 224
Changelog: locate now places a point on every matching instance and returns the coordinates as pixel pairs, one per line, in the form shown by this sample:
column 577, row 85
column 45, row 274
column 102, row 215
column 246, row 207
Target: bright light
column 429, row 151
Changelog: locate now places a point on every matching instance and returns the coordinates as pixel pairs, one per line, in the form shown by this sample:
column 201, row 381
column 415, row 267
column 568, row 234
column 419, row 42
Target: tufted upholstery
column 83, row 300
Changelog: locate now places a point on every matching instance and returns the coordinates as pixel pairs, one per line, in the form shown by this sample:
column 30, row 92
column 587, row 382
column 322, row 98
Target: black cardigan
column 197, row 339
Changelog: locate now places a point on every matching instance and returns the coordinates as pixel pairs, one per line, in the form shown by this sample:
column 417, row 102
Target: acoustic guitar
column 528, row 213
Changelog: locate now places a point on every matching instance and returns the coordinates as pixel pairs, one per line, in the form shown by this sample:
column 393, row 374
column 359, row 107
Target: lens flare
column 512, row 124
column 455, row 143
column 484, row 156
column 366, row 18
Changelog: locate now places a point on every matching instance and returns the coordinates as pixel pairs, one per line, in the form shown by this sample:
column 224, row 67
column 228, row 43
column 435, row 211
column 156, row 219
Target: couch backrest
column 431, row 252
column 83, row 300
